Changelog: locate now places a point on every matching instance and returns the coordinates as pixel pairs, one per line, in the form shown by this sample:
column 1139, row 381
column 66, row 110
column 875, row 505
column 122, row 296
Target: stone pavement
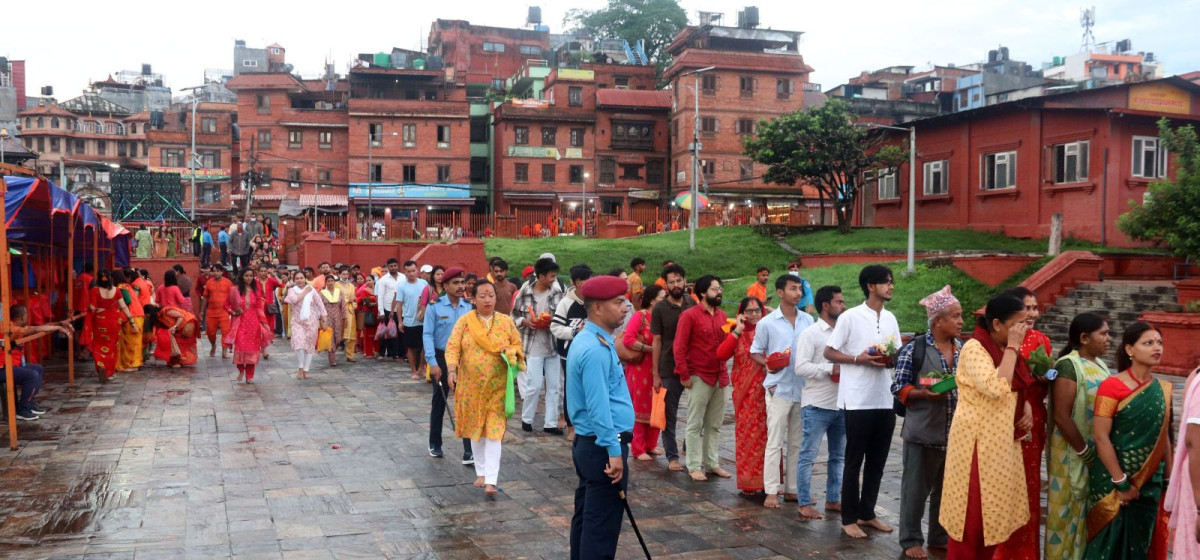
column 186, row 463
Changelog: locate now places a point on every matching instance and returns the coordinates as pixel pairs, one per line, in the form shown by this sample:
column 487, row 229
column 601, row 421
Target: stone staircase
column 1121, row 301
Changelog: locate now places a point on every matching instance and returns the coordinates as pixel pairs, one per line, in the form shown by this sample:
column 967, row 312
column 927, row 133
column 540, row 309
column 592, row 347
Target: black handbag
column 370, row 320
column 272, row 309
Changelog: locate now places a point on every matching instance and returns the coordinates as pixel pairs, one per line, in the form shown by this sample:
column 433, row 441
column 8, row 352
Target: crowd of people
column 606, row 360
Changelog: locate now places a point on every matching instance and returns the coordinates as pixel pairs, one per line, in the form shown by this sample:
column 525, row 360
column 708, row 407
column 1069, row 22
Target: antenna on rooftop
column 1087, row 20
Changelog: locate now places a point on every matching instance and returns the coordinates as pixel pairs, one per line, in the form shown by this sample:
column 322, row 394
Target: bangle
column 1085, row 450
column 735, row 333
column 1123, row 484
column 856, row 358
column 1016, row 351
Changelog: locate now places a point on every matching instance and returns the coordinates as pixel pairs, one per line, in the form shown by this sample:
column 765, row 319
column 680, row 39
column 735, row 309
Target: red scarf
column 1022, row 378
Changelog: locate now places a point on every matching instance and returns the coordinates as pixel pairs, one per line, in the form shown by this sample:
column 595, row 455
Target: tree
column 655, row 21
column 1170, row 211
column 822, row 146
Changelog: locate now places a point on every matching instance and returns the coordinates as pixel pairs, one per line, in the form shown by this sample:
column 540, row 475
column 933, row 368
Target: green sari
column 1139, row 422
column 1067, row 489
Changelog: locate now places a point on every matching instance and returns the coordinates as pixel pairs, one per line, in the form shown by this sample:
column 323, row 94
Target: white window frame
column 443, row 139
column 887, row 184
column 1143, row 145
column 493, row 46
column 249, row 63
column 1076, row 160
column 1007, row 159
column 409, row 134
column 940, row 167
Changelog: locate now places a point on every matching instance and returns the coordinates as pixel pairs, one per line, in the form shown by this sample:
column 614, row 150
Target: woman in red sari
column 749, row 401
column 175, row 334
column 249, row 332
column 637, row 338
column 108, row 314
column 1025, row 543
column 367, row 308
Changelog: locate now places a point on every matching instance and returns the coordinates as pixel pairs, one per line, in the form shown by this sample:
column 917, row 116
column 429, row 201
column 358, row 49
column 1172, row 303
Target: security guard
column 599, row 405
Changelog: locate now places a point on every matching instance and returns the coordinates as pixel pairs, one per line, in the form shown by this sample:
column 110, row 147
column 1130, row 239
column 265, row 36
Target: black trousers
column 596, row 524
column 391, row 347
column 205, row 251
column 868, row 439
column 565, row 414
column 224, row 254
column 437, row 410
column 669, row 439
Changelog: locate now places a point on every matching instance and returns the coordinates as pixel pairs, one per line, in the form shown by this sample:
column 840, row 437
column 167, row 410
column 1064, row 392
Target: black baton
column 629, row 512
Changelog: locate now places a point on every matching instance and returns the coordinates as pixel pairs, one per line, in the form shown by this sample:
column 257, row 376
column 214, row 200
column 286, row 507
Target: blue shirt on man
column 206, row 238
column 775, row 334
column 598, row 401
column 223, row 237
column 410, row 294
column 440, row 317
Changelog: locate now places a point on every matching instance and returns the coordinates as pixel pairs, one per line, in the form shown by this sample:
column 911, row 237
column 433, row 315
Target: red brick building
column 758, row 74
column 1009, row 167
column 294, row 137
column 481, row 54
column 633, row 145
column 217, row 161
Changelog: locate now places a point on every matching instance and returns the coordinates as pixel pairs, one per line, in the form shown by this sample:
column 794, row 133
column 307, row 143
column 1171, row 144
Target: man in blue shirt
column 440, row 317
column 206, row 243
column 599, row 405
column 223, row 244
column 412, row 314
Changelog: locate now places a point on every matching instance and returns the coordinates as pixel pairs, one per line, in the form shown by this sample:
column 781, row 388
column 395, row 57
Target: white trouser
column 304, row 359
column 546, row 370
column 784, row 431
column 487, row 459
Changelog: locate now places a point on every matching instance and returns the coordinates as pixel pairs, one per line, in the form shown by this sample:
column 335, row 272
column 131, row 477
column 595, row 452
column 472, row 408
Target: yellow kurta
column 350, row 332
column 482, row 375
column 986, row 405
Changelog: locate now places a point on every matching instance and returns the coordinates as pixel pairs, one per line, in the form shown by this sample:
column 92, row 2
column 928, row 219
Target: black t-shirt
column 664, row 317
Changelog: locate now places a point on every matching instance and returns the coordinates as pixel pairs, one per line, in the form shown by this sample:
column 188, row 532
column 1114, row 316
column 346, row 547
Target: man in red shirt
column 704, row 375
column 216, row 293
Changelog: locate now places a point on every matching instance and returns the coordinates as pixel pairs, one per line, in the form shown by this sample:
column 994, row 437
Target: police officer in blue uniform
column 599, row 406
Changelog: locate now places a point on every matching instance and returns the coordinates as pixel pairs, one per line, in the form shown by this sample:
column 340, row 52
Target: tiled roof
column 264, row 80
column 48, row 110
column 92, row 103
column 658, row 99
column 142, row 116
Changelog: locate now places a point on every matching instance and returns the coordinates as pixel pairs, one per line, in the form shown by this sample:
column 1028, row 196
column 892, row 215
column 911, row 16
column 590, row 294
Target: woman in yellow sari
column 129, row 346
column 350, row 329
column 479, row 376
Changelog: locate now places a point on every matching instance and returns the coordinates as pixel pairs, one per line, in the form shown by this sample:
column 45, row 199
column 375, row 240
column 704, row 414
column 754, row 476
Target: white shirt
column 775, row 333
column 864, row 387
column 819, row 389
column 385, row 292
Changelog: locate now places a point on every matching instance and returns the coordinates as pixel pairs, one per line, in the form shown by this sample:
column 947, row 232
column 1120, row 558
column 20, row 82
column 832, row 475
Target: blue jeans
column 819, row 422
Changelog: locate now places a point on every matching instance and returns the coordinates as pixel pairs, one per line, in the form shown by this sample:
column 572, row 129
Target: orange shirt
column 758, row 291
column 147, row 291
column 661, row 283
column 216, row 293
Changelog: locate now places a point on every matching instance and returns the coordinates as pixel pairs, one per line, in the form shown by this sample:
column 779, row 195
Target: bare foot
column 877, row 525
column 915, row 552
column 790, row 498
column 241, row 376
column 656, row 451
column 698, row 476
column 212, row 352
column 720, row 472
column 854, row 531
column 562, row 423
column 833, row 506
column 490, row 490
column 300, row 374
column 809, row 512
column 644, row 457
column 772, row 501
column 675, row 466
column 479, row 482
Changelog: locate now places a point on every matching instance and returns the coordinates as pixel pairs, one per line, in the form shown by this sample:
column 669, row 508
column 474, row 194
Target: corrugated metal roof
column 659, row 99
column 92, row 103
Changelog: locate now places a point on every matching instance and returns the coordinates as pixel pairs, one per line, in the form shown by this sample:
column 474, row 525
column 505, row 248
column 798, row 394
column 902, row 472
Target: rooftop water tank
column 382, row 59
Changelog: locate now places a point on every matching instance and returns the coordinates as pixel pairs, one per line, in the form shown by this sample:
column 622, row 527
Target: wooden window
column 295, row 139
column 608, row 171
column 409, row 174
column 521, row 173
column 548, row 173
column 549, row 135
column 521, row 135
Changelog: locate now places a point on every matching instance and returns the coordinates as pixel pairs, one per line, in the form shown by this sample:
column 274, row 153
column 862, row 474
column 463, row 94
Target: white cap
column 548, row 256
column 426, row 268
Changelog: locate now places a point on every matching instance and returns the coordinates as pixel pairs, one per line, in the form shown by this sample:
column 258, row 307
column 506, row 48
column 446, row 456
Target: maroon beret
column 452, row 273
column 603, row 287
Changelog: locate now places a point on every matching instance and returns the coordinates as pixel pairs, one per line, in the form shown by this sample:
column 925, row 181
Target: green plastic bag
column 509, row 399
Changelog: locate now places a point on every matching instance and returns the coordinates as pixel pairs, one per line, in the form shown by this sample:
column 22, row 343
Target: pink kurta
column 248, row 331
column 304, row 333
column 1179, row 499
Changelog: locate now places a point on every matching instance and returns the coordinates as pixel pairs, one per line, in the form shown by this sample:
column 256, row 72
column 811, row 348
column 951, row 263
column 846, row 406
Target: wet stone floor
column 164, row 464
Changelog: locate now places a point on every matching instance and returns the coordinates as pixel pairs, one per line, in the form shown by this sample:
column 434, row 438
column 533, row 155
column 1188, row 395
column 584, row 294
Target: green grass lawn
column 873, row 239
column 733, row 253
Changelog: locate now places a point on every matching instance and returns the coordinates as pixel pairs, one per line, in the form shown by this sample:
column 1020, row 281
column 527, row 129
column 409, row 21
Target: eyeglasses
column 753, row 310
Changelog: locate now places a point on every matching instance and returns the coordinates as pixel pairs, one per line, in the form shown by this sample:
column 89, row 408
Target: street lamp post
column 192, row 153
column 912, row 189
column 693, row 217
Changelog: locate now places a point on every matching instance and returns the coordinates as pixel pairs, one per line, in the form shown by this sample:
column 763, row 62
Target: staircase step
column 1120, row 302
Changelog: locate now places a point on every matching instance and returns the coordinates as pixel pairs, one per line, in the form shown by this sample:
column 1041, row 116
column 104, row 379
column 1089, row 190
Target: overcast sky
column 841, row 39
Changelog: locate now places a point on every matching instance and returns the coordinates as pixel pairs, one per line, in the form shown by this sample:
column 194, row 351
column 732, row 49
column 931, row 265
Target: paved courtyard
column 186, row 463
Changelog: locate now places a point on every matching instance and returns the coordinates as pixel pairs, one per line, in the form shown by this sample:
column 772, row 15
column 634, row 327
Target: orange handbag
column 658, row 409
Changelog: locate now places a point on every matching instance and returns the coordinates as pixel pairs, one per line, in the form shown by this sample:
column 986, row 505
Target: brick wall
column 157, row 267
column 992, row 269
column 317, row 248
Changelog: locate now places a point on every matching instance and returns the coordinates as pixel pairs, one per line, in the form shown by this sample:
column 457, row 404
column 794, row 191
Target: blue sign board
column 410, row 190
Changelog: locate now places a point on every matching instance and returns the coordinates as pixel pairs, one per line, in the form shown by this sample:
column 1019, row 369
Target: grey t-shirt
column 542, row 344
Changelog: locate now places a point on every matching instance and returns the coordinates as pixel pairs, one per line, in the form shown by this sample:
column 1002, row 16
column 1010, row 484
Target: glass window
column 521, row 135
column 1071, row 162
column 935, row 177
column 886, row 181
column 1149, row 158
column 999, row 170
column 521, row 173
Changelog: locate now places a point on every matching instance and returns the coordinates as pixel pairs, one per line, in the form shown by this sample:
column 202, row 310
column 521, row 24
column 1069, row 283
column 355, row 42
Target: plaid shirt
column 524, row 302
column 905, row 375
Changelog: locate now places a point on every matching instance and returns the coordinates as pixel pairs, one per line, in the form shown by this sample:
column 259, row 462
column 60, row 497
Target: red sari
column 641, row 384
column 186, row 344
column 105, row 329
column 1025, row 543
column 367, row 305
column 750, row 408
column 249, row 332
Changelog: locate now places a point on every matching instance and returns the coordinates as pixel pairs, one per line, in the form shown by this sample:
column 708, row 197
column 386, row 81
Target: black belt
column 624, row 437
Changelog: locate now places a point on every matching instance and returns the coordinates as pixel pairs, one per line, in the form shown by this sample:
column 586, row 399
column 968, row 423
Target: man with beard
column 819, row 413
column 440, row 317
column 865, row 393
column 664, row 318
column 705, row 376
